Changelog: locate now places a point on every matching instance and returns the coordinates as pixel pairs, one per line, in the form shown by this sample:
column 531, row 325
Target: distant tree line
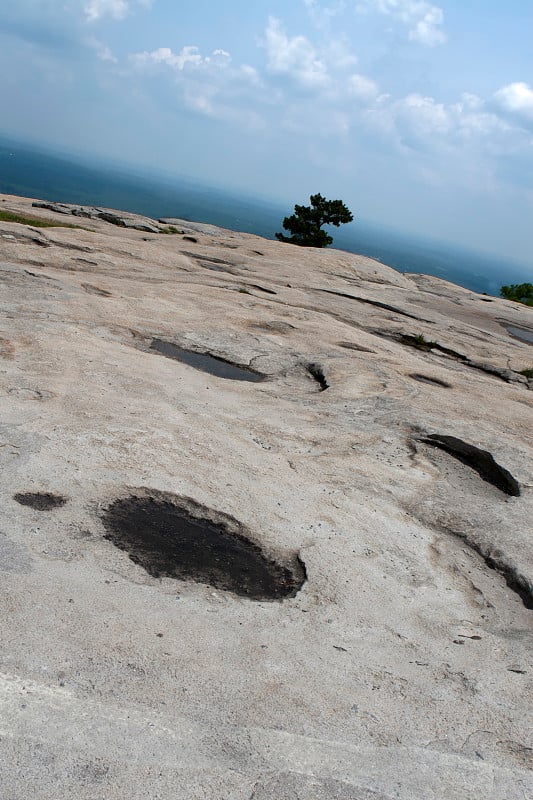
column 519, row 292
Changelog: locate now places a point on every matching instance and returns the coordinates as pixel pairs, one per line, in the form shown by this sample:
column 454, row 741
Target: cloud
column 103, row 52
column 116, row 9
column 189, row 56
column 210, row 85
column 423, row 19
column 295, row 58
column 516, row 101
column 362, row 87
column 308, row 89
column 320, row 15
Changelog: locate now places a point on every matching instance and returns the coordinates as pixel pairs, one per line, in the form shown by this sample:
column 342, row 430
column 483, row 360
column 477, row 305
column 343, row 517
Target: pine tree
column 305, row 224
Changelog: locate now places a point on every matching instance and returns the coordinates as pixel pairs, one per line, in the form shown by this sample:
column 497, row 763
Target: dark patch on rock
column 205, row 362
column 376, row 303
column 175, row 537
column 210, row 262
column 517, row 583
column 40, row 501
column 27, row 393
column 420, row 343
column 428, row 379
column 81, row 248
column 90, row 289
column 40, row 275
column 57, row 208
column 274, row 326
column 507, row 375
column 479, row 460
column 317, row 373
column 7, row 349
column 261, row 288
column 353, row 346
column 190, row 239
column 113, row 219
column 496, row 560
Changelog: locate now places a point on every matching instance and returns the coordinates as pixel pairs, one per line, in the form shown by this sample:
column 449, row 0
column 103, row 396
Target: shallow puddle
column 177, row 538
column 205, row 362
column 520, row 333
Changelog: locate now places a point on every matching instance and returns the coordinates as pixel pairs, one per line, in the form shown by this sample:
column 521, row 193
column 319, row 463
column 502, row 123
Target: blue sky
column 419, row 115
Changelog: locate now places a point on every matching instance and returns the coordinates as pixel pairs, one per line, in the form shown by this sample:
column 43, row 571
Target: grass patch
column 528, row 373
column 170, row 229
column 36, row 222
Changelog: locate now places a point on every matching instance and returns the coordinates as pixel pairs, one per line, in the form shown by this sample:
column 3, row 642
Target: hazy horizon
column 51, row 175
column 280, row 207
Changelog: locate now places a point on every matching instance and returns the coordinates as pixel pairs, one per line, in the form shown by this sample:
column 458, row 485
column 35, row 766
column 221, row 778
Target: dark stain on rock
column 273, row 326
column 353, row 346
column 375, row 303
column 420, row 343
column 113, row 219
column 90, row 289
column 205, row 362
column 479, row 460
column 175, row 537
column 261, row 288
column 317, row 373
column 428, row 379
column 7, row 349
column 210, row 262
column 40, row 501
column 516, row 582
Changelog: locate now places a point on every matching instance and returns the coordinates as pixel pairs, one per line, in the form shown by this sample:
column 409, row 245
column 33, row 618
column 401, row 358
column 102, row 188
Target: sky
column 419, row 116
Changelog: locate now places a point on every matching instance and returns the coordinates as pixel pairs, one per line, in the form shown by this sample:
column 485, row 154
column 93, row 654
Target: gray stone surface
column 402, row 668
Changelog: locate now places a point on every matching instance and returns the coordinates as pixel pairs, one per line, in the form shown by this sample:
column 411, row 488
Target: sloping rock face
column 315, row 582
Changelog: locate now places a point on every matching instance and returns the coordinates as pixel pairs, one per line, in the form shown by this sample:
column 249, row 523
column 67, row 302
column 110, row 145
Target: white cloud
column 103, row 52
column 294, row 57
column 427, row 29
column 189, row 56
column 362, row 87
column 116, row 9
column 516, row 99
column 425, row 114
column 314, row 91
column 321, row 15
column 424, row 20
column 95, row 9
column 209, row 84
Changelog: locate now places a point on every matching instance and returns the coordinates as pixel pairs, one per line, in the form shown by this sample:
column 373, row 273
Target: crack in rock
column 479, row 460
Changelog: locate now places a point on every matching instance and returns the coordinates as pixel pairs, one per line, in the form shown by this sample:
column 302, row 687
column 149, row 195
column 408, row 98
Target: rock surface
column 368, row 454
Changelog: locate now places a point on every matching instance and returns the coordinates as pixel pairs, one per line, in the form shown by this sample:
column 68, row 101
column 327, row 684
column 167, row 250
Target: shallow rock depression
column 175, row 537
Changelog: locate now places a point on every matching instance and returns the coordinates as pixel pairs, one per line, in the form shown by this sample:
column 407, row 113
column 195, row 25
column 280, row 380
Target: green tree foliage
column 305, row 224
column 519, row 292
